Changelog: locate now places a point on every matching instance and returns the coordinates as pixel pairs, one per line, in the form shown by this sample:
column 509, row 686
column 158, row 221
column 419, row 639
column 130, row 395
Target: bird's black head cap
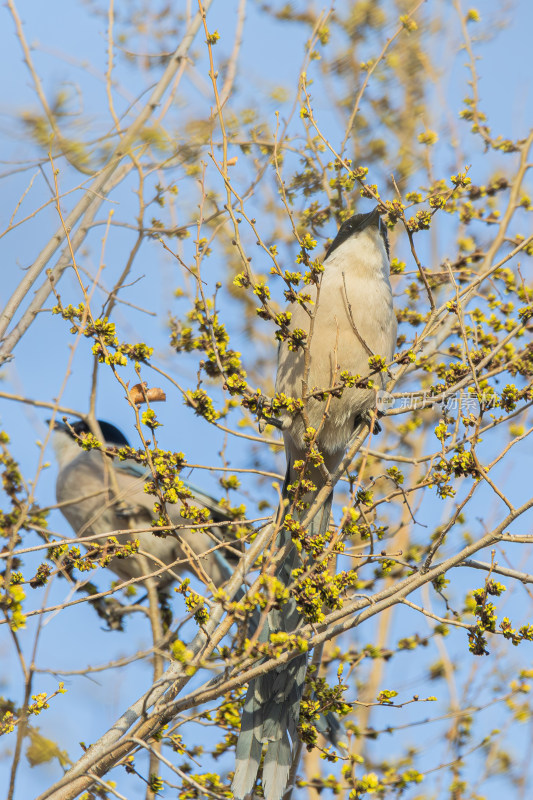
column 111, row 434
column 356, row 224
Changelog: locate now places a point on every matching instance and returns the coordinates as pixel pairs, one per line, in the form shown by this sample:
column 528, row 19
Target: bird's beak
column 57, row 425
column 373, row 218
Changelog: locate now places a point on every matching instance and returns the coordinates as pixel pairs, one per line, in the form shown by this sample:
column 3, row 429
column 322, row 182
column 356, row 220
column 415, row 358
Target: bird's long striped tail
column 272, row 704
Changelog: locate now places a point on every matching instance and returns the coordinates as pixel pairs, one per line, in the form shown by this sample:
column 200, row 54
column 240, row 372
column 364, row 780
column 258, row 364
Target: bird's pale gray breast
column 352, row 320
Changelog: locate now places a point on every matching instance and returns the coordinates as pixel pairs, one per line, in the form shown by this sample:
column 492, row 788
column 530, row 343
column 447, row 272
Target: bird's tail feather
column 276, row 767
column 272, row 705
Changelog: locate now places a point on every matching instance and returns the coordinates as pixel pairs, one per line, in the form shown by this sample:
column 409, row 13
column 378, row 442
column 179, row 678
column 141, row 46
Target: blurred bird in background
column 350, row 319
column 98, row 495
